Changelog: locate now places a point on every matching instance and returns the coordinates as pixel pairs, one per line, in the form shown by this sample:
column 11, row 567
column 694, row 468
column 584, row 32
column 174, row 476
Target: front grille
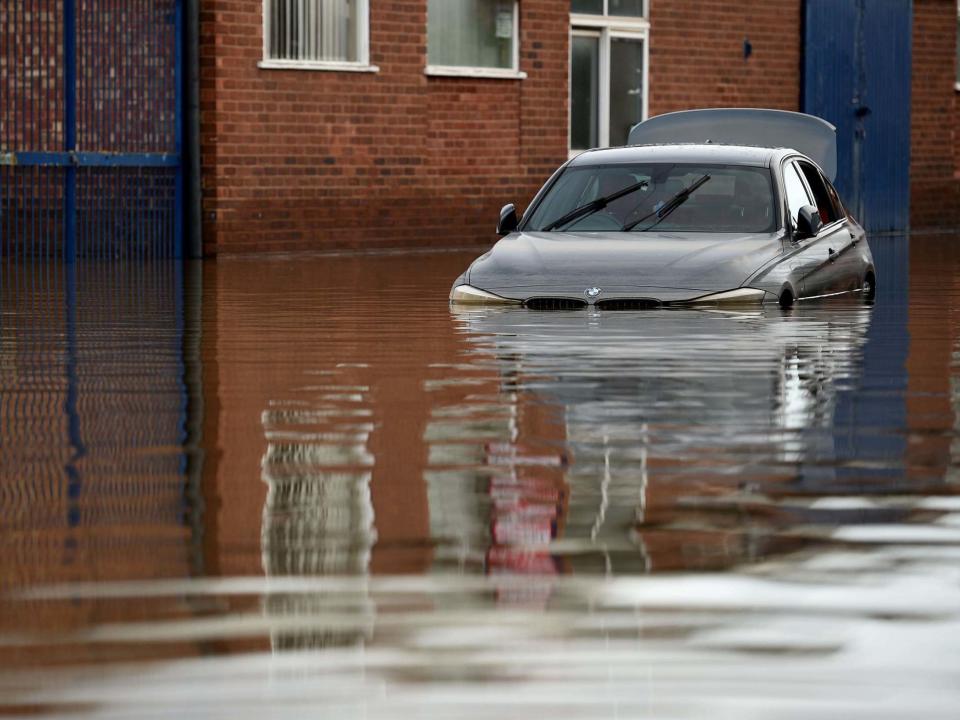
column 629, row 304
column 555, row 303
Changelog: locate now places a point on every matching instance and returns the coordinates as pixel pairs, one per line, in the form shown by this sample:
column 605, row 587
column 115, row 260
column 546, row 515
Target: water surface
column 288, row 487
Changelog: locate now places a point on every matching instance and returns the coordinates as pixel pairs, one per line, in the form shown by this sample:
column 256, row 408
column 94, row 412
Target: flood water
column 306, row 487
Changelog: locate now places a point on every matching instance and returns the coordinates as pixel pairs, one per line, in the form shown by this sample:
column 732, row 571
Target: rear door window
column 835, row 199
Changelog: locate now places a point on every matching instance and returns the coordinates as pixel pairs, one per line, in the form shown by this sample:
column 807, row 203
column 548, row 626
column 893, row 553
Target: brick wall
column 697, row 54
column 304, row 159
column 299, row 159
column 935, row 151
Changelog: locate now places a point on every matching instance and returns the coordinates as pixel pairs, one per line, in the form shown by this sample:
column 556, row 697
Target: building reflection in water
column 318, row 517
column 315, row 431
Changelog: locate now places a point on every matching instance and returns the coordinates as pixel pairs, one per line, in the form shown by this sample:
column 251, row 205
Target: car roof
column 681, row 152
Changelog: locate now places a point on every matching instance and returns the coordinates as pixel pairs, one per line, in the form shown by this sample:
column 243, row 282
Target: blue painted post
column 70, row 129
column 178, row 130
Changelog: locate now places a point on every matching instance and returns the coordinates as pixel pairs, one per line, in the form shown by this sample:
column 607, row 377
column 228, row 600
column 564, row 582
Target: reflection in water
column 318, row 517
column 674, row 417
column 96, row 385
column 405, row 511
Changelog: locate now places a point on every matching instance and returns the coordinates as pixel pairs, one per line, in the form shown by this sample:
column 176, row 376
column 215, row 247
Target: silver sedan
column 682, row 223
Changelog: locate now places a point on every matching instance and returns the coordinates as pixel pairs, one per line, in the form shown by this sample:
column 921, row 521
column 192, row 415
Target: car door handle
column 832, row 254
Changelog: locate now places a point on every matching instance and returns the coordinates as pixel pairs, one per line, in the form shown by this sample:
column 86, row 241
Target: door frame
column 606, row 28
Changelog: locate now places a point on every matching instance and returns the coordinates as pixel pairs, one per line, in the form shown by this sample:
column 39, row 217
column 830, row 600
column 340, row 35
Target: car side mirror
column 808, row 223
column 508, row 220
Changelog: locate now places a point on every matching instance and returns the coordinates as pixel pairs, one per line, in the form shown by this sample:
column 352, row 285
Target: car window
column 609, row 180
column 815, row 181
column 574, row 189
column 735, row 198
column 796, row 192
column 838, row 207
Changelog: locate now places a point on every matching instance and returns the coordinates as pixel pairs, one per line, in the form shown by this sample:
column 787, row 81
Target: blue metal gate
column 90, row 130
column 857, row 64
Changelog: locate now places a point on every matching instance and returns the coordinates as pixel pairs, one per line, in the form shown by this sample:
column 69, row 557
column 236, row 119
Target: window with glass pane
column 622, row 8
column 631, row 8
column 796, row 193
column 626, row 87
column 584, row 98
column 589, row 7
column 315, row 30
column 471, row 33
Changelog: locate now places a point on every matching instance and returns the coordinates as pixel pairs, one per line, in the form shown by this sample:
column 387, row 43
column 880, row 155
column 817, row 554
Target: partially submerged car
column 704, row 207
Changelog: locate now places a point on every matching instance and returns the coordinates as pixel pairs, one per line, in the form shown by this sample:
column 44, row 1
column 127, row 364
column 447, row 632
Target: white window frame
column 362, row 64
column 607, row 27
column 511, row 73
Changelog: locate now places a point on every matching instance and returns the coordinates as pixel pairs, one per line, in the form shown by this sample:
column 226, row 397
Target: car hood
column 666, row 266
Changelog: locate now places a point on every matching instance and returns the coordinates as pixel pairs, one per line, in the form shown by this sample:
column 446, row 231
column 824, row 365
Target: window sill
column 614, row 22
column 322, row 66
column 474, row 72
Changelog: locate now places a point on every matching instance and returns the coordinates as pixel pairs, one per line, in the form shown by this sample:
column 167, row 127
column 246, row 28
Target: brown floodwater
column 296, row 487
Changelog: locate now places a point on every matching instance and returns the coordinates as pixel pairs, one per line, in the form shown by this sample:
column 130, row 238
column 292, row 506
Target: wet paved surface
column 291, row 488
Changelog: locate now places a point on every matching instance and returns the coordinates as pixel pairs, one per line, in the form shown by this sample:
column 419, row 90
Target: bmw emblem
column 592, row 292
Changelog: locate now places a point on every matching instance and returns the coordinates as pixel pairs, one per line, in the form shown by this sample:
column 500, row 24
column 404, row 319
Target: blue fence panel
column 856, row 74
column 90, row 129
column 31, row 116
column 888, row 52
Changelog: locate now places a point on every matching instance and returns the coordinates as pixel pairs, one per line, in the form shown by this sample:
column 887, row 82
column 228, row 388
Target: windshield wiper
column 594, row 205
column 669, row 206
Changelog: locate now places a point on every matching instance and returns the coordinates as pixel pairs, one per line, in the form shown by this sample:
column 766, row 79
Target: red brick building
column 396, row 123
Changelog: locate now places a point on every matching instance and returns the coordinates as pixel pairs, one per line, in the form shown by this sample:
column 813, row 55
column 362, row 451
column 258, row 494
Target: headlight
column 741, row 296
column 469, row 295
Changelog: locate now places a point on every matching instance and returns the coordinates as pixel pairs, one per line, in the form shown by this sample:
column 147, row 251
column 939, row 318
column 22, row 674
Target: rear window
column 735, row 198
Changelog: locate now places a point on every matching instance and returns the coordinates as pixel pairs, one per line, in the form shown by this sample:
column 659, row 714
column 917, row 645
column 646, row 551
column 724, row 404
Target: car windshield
column 737, row 198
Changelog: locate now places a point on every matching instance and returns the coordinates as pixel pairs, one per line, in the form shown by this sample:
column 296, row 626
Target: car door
column 806, row 255
column 837, row 269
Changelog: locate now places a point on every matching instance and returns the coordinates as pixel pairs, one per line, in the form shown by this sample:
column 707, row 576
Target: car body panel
column 808, row 269
column 666, row 266
column 821, row 277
